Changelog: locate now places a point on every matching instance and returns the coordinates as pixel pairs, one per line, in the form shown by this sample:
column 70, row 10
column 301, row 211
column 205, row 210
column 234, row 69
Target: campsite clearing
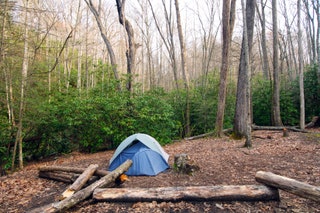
column 222, row 161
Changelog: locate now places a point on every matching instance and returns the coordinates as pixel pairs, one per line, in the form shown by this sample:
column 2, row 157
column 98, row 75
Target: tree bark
column 58, row 176
column 290, row 185
column 228, row 18
column 81, row 181
column 131, row 51
column 276, row 117
column 71, row 169
column 84, row 193
column 189, row 193
column 301, row 83
column 243, row 99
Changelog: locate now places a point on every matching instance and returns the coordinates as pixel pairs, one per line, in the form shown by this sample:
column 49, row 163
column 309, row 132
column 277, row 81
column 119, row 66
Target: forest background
column 83, row 75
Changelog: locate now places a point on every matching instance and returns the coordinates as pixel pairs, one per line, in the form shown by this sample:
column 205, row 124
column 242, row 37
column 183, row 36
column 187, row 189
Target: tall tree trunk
column 112, row 56
column 185, row 74
column 131, row 51
column 301, row 84
column 24, row 73
column 276, row 117
column 265, row 62
column 242, row 102
column 318, row 37
column 228, row 18
column 248, row 14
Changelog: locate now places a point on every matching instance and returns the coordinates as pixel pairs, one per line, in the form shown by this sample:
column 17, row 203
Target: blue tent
column 147, row 155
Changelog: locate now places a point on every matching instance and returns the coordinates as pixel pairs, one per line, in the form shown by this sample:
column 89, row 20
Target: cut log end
column 290, row 185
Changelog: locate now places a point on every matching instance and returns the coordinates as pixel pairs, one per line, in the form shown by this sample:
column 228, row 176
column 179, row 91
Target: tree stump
column 285, row 132
column 183, row 164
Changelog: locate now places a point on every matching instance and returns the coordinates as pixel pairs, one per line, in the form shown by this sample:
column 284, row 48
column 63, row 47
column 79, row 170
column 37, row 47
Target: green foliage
column 203, row 99
column 5, row 141
column 311, row 92
column 261, row 101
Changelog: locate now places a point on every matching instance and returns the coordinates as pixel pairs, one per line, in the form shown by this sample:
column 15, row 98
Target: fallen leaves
column 222, row 161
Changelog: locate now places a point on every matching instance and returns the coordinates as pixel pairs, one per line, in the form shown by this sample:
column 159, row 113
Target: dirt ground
column 222, row 161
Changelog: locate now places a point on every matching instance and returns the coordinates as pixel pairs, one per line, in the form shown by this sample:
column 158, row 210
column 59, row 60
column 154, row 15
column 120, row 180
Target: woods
column 83, row 75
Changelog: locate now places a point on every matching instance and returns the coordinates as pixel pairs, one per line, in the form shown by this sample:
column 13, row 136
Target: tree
column 104, row 36
column 23, row 85
column 276, row 117
column 262, row 18
column 168, row 40
column 243, row 103
column 132, row 46
column 301, row 85
column 247, row 11
column 228, row 19
column 184, row 69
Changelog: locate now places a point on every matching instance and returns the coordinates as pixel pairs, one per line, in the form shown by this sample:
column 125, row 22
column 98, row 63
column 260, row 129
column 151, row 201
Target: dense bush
column 100, row 122
column 262, row 103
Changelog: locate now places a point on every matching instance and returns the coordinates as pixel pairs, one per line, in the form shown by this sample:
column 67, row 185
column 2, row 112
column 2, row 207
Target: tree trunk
column 243, row 100
column 24, row 75
column 228, row 18
column 188, row 193
column 265, row 62
column 106, row 41
column 301, row 84
column 84, row 193
column 131, row 51
column 290, row 185
column 276, row 117
column 81, row 181
column 185, row 74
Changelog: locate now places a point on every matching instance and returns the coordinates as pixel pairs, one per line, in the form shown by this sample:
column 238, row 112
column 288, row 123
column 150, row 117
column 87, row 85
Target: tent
column 147, row 155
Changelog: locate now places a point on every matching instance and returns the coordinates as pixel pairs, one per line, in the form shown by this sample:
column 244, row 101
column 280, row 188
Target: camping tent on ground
column 147, row 155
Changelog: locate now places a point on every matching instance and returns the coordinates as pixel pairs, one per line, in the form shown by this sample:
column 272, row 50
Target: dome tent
column 147, row 155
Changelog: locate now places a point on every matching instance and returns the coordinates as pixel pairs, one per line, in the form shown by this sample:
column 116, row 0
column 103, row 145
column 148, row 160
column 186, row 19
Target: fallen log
column 84, row 193
column 189, row 193
column 290, row 185
column 225, row 131
column 58, row 176
column 81, row 181
column 98, row 172
column 278, row 128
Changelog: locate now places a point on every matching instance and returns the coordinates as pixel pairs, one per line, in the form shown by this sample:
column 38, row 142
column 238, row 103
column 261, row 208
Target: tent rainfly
column 147, row 155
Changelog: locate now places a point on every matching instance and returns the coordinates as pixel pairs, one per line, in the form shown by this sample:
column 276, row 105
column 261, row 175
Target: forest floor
column 222, row 161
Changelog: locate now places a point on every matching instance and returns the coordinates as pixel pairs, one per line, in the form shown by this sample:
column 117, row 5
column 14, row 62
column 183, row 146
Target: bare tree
column 132, row 46
column 262, row 18
column 301, row 84
column 24, row 74
column 228, row 19
column 184, row 69
column 96, row 14
column 276, row 117
column 291, row 56
column 248, row 15
column 243, row 103
column 168, row 40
